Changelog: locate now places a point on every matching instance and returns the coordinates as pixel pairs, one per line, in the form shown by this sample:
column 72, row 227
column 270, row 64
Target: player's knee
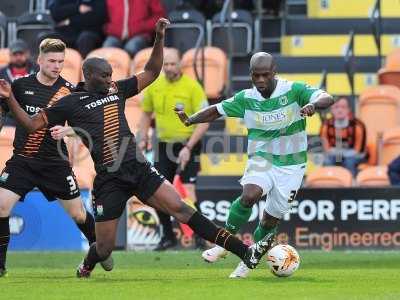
column 4, row 209
column 268, row 221
column 249, row 198
column 78, row 215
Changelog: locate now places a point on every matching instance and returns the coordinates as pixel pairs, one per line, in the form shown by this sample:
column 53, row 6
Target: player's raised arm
column 153, row 66
column 205, row 115
column 31, row 124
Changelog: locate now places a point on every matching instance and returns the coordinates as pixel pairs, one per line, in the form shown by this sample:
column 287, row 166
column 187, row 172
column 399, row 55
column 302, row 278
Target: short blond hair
column 52, row 45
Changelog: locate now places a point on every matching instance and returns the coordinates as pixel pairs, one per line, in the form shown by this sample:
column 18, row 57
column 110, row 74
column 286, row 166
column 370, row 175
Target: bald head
column 262, row 71
column 172, row 64
column 97, row 72
column 262, row 60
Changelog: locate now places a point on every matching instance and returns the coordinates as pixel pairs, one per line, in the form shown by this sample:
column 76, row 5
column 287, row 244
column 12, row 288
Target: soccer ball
column 283, row 260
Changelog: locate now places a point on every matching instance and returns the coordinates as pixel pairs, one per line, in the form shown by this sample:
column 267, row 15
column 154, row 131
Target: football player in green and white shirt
column 274, row 112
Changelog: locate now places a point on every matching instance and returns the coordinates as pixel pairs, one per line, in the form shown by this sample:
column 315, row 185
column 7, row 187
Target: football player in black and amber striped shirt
column 36, row 162
column 96, row 111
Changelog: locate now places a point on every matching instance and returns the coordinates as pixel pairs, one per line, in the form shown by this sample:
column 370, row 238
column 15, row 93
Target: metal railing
column 349, row 64
column 376, row 26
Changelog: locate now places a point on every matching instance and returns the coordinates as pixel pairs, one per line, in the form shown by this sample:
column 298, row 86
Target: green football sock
column 238, row 215
column 261, row 232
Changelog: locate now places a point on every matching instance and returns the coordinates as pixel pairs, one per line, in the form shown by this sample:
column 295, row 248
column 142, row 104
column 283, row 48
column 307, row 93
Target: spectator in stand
column 20, row 64
column 79, row 23
column 131, row 23
column 343, row 137
column 394, row 171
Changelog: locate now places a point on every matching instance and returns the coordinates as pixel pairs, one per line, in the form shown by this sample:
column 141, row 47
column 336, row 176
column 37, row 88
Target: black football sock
column 166, row 223
column 4, row 240
column 220, row 236
column 92, row 257
column 88, row 228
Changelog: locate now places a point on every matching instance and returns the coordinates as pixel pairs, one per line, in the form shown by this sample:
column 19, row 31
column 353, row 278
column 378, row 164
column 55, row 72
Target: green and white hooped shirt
column 276, row 131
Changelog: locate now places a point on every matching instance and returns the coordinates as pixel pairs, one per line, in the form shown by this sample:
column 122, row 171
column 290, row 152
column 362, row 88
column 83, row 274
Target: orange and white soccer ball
column 283, row 260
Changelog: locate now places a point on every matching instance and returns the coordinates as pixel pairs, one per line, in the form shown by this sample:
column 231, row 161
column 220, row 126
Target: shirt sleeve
column 128, row 86
column 60, row 112
column 199, row 98
column 232, row 107
column 147, row 102
column 305, row 93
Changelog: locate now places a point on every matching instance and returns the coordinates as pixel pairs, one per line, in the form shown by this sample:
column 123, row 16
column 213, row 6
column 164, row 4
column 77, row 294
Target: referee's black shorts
column 111, row 190
column 165, row 161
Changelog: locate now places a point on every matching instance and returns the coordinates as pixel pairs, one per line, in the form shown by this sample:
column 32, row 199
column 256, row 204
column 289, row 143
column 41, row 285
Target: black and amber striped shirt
column 33, row 96
column 100, row 121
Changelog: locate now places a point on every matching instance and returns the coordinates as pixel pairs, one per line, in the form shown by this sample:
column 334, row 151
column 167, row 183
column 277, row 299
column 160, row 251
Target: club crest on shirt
column 113, row 88
column 283, row 100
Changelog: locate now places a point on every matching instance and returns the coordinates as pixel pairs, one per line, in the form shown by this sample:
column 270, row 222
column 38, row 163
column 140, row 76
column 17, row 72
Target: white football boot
column 241, row 271
column 214, row 254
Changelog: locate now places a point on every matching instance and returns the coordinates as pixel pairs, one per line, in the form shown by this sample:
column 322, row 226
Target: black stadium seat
column 242, row 32
column 30, row 27
column 16, row 8
column 186, row 29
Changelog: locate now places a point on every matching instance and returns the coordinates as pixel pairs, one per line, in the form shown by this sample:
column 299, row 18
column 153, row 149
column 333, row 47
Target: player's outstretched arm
column 153, row 66
column 31, row 124
column 205, row 115
column 323, row 101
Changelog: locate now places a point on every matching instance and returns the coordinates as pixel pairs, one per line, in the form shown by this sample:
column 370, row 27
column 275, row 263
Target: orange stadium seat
column 390, row 145
column 6, row 145
column 379, row 103
column 390, row 73
column 133, row 113
column 140, row 60
column 215, row 69
column 119, row 60
column 72, row 66
column 329, row 177
column 4, row 56
column 373, row 176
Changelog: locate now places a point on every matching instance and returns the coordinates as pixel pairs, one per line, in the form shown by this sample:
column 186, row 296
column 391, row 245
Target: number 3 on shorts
column 72, row 183
column 292, row 196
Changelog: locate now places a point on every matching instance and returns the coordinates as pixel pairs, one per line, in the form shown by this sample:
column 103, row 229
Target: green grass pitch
column 183, row 275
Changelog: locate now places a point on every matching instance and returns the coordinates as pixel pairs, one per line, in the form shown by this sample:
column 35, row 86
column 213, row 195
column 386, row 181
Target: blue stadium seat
column 186, row 29
column 242, row 31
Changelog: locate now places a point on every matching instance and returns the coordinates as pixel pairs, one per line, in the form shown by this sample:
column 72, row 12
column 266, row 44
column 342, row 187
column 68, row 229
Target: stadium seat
column 390, row 73
column 350, row 9
column 390, row 145
column 379, row 103
column 186, row 29
column 140, row 60
column 242, row 31
column 16, row 8
column 329, row 177
column 4, row 56
column 3, row 29
column 81, row 163
column 119, row 60
column 72, row 66
column 215, row 69
column 373, row 176
column 335, row 45
column 6, row 145
column 31, row 27
column 133, row 113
